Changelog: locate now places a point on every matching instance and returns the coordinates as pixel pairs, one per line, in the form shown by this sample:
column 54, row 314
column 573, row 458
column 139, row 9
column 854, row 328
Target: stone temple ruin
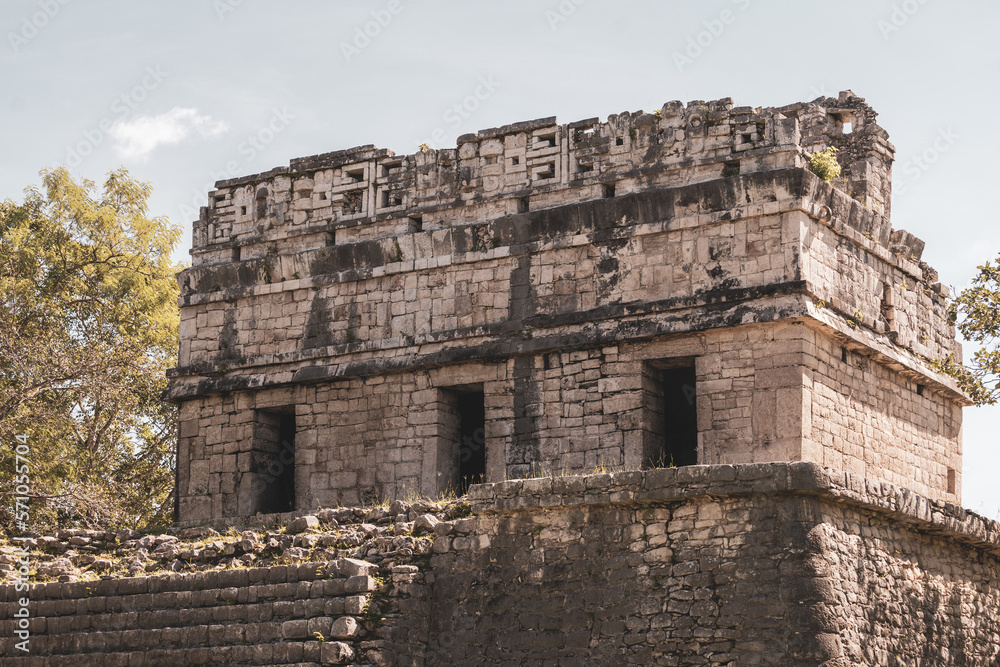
column 581, row 317
column 658, row 289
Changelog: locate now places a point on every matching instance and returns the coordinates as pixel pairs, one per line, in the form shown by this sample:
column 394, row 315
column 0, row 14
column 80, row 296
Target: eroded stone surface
column 764, row 564
column 558, row 269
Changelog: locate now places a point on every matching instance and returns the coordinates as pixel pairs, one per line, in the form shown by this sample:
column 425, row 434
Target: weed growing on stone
column 824, row 164
column 461, row 510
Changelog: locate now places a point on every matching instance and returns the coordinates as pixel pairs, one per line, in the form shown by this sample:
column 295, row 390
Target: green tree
column 976, row 312
column 88, row 325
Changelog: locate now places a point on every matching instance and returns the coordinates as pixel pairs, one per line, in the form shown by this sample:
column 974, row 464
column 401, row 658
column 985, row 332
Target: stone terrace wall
column 770, row 564
column 764, row 564
column 265, row 616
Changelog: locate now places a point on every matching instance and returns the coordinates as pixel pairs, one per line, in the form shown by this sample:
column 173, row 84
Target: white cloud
column 136, row 138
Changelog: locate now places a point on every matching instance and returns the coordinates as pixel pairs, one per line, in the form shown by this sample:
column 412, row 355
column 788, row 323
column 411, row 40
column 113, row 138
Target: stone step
column 270, row 642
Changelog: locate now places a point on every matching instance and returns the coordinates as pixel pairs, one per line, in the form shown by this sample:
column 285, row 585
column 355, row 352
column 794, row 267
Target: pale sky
column 185, row 92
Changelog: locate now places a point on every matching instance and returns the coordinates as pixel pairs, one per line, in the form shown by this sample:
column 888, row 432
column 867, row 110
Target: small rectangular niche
column 243, row 210
column 272, row 461
column 391, row 199
column 619, row 142
column 220, row 201
column 261, row 202
column 390, row 168
column 545, row 171
column 669, row 414
column 331, row 238
column 608, row 190
column 952, row 481
column 461, row 458
column 523, row 205
column 353, row 202
column 237, row 253
column 416, row 223
column 545, row 140
column 584, row 167
column 514, row 161
column 355, row 175
column 920, row 390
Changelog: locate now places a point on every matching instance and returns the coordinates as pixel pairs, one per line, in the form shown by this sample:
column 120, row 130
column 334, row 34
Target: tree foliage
column 977, row 316
column 88, row 325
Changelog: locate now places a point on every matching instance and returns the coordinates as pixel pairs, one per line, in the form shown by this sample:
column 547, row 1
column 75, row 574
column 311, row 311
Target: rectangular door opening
column 472, row 440
column 670, row 416
column 272, row 461
column 462, row 437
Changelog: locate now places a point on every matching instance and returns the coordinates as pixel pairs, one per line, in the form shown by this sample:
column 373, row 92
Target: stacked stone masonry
column 556, row 273
column 310, row 613
column 769, row 564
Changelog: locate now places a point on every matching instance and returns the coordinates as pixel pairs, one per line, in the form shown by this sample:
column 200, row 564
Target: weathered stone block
column 336, row 653
column 360, row 584
column 345, row 627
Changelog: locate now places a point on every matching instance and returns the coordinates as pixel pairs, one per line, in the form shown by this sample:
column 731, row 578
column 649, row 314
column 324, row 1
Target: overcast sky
column 186, row 92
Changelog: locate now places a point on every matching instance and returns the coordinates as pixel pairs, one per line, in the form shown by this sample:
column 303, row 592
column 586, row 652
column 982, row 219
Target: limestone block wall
column 767, row 564
column 856, row 402
column 366, row 192
column 760, row 564
column 599, row 576
column 458, row 285
column 766, row 392
column 655, row 251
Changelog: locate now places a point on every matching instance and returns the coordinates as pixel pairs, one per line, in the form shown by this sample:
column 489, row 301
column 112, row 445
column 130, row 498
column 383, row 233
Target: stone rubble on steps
column 380, row 535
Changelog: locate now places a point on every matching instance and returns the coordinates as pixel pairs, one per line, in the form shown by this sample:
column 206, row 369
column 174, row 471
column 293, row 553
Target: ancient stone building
column 653, row 290
column 545, row 301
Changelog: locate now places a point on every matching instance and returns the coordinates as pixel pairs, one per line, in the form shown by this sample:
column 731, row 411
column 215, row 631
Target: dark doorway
column 471, row 439
column 272, row 461
column 670, row 416
column 461, row 454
